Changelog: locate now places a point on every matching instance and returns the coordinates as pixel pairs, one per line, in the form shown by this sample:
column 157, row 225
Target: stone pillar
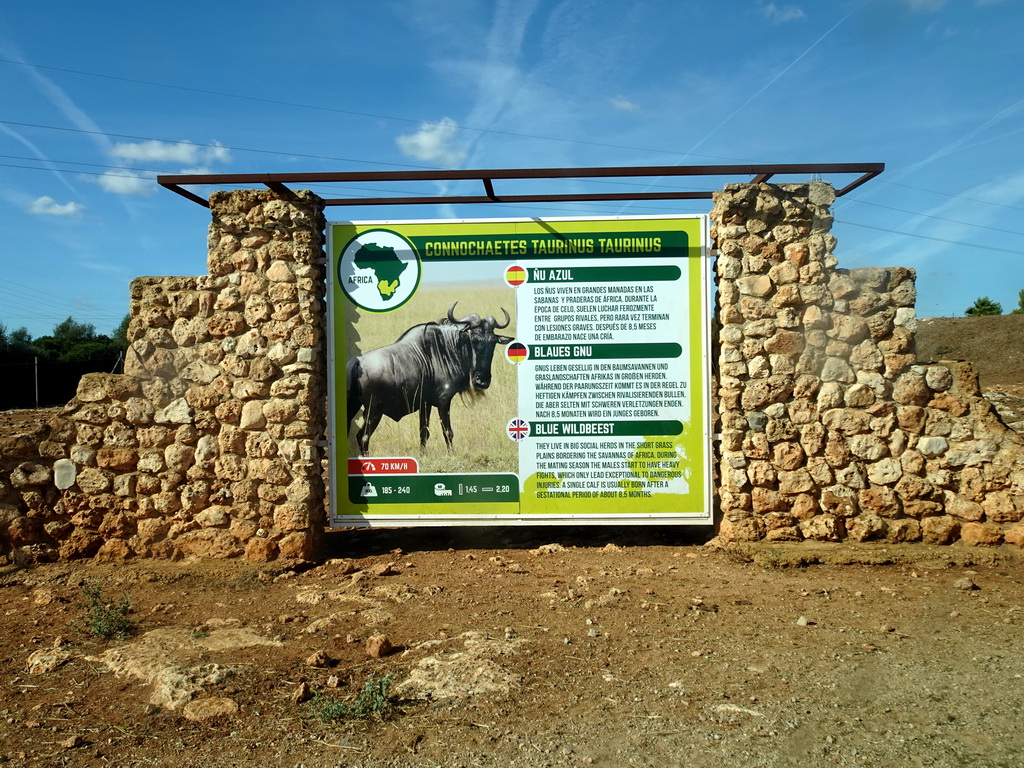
column 830, row 427
column 266, row 409
column 233, row 367
column 774, row 258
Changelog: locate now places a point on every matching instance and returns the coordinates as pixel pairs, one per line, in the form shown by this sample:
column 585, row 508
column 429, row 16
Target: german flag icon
column 515, row 275
column 516, row 352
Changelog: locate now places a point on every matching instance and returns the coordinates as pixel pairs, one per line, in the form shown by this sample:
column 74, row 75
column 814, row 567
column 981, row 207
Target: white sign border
column 633, row 518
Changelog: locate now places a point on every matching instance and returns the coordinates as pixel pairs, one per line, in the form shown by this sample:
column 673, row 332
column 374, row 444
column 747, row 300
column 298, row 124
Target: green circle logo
column 379, row 270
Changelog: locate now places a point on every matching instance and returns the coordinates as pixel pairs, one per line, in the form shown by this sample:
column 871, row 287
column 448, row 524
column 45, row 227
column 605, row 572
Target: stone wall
column 210, row 444
column 830, row 428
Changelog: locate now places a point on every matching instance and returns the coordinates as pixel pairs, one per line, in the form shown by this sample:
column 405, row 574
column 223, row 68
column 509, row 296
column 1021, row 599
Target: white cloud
column 624, row 105
column 433, row 143
column 779, row 14
column 194, row 157
column 47, row 206
column 157, row 151
column 184, row 152
column 127, row 183
column 216, row 154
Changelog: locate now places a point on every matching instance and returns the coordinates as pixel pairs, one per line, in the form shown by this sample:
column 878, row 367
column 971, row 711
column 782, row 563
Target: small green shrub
column 374, row 700
column 105, row 619
column 941, row 350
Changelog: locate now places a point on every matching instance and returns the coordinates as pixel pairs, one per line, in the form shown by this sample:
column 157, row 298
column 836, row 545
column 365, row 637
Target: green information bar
column 578, row 429
column 422, row 489
column 604, row 351
column 644, row 274
column 582, row 245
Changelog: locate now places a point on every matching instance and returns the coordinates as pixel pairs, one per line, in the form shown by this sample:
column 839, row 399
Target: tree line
column 984, row 306
column 45, row 370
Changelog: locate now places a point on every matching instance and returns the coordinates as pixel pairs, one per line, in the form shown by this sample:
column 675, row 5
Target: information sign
column 529, row 371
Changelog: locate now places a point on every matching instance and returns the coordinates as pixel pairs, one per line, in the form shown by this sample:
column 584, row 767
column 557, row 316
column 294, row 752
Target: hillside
column 994, row 344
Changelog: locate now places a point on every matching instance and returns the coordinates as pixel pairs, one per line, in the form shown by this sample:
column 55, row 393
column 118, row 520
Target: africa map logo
column 379, row 270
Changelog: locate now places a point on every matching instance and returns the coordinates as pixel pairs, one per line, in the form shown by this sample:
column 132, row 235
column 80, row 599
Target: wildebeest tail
column 353, row 392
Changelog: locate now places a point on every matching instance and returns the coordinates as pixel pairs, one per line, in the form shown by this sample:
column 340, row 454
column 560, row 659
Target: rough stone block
column 30, row 475
column 823, row 527
column 940, row 529
column 1014, row 535
column 981, row 534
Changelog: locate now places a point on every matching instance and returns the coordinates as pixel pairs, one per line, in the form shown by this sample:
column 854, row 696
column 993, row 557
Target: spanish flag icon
column 515, row 275
column 516, row 352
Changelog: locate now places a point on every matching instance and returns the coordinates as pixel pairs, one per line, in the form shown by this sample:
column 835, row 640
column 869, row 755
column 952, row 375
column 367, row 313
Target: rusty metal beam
column 280, row 188
column 280, row 181
column 187, row 194
column 854, row 184
column 453, row 200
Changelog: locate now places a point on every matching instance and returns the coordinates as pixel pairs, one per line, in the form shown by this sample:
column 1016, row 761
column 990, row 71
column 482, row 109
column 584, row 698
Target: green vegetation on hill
column 984, row 306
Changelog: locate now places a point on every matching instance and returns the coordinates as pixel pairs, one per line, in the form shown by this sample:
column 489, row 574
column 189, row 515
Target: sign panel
column 524, row 371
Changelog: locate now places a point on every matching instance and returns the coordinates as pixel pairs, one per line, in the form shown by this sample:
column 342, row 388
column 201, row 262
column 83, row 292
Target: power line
column 69, row 170
column 20, row 309
column 940, row 218
column 333, row 191
column 321, row 108
column 156, row 170
column 214, row 146
column 947, row 194
column 53, row 301
column 587, row 206
column 75, row 162
column 936, row 239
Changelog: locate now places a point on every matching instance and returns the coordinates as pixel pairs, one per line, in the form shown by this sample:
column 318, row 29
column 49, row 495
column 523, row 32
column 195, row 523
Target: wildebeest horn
column 507, row 320
column 451, row 315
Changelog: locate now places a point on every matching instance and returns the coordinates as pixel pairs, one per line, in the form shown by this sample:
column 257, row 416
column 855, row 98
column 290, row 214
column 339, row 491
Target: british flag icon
column 518, row 429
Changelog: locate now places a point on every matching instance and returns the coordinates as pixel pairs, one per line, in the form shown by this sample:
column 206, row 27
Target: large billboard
column 520, row 371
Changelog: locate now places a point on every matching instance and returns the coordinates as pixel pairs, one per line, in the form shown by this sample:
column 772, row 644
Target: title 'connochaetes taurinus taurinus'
column 429, row 365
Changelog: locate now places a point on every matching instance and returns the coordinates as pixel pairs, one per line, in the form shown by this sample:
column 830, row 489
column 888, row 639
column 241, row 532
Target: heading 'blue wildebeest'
column 428, row 365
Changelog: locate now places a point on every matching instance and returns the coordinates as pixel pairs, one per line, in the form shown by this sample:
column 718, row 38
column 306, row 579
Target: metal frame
column 279, row 182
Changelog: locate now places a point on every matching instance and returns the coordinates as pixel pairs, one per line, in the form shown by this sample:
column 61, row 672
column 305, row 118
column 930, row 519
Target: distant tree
column 20, row 345
column 1020, row 304
column 120, row 334
column 73, row 331
column 984, row 306
column 72, row 341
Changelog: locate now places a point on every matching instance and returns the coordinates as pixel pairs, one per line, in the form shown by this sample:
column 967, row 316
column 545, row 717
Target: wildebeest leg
column 371, row 418
column 424, row 423
column 444, row 410
column 352, row 372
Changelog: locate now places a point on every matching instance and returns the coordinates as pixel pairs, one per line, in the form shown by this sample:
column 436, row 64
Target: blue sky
column 96, row 98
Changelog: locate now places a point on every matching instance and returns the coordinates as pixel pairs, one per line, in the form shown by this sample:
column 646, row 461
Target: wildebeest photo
column 452, row 362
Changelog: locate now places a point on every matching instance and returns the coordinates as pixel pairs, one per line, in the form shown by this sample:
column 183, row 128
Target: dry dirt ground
column 533, row 647
column 613, row 648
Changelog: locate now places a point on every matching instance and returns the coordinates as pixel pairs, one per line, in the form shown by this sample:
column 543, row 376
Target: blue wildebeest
column 429, row 365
